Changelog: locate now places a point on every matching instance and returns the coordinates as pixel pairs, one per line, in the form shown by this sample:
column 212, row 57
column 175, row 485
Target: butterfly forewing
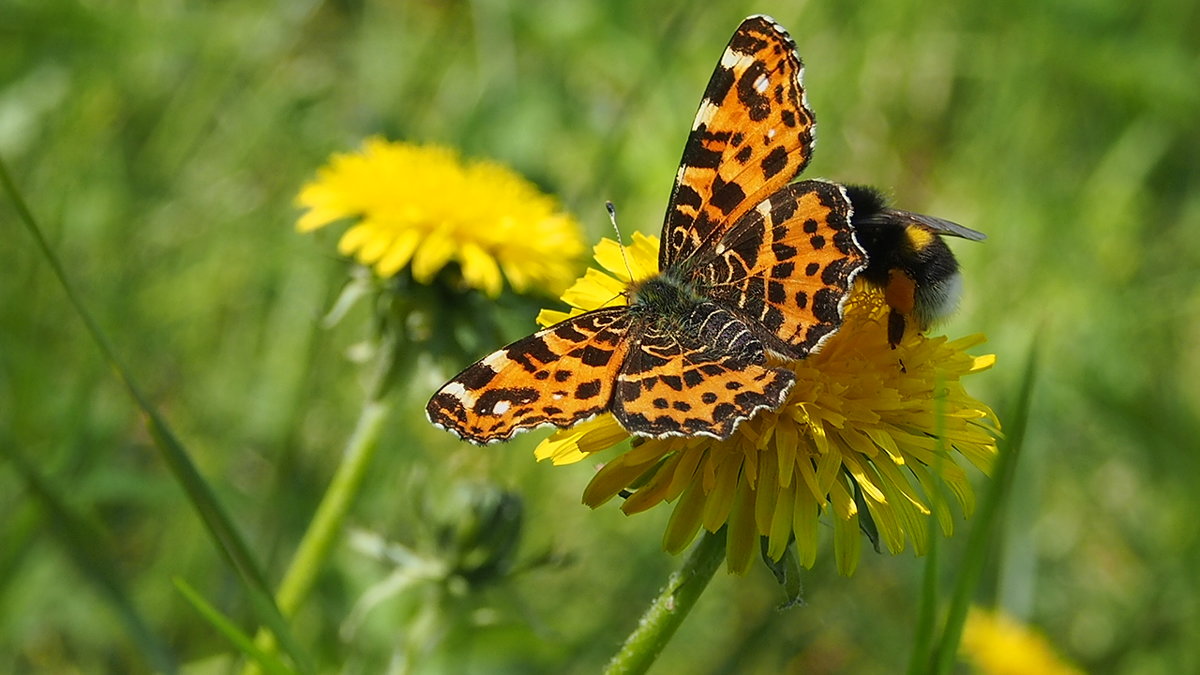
column 558, row 376
column 752, row 134
column 787, row 265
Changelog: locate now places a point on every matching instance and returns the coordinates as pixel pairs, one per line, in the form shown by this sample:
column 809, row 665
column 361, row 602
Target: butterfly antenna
column 612, row 217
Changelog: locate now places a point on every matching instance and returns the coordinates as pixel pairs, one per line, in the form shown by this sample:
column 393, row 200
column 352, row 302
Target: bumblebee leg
column 895, row 328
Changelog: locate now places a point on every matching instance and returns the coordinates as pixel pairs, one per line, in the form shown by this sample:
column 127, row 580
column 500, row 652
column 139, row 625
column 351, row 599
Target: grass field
column 161, row 147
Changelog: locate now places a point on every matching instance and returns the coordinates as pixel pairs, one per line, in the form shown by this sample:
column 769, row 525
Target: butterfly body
column 749, row 265
column 666, row 298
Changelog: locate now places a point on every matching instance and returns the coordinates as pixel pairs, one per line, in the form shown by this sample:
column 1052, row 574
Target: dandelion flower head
column 997, row 644
column 868, row 434
column 424, row 207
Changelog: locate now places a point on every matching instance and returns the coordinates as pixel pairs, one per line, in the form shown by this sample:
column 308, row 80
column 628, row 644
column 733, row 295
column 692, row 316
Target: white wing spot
column 705, row 114
column 459, row 392
column 497, row 361
column 761, row 84
column 770, row 134
column 501, row 407
column 732, row 60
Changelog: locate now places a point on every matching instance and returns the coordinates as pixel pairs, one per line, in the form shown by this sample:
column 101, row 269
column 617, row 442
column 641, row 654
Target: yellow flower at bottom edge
column 887, row 426
column 422, row 206
column 996, row 644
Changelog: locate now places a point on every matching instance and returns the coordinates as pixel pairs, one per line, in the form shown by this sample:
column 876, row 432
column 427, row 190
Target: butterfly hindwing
column 701, row 376
column 752, row 135
column 559, row 376
column 787, row 265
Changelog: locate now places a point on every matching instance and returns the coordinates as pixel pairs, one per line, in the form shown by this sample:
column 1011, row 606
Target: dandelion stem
column 668, row 610
column 331, row 513
column 327, row 522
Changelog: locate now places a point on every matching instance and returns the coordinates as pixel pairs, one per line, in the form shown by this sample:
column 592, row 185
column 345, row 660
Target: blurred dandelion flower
column 423, row 207
column 996, row 644
column 860, row 430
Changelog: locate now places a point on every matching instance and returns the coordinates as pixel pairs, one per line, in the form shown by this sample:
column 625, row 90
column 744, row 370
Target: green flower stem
column 318, row 541
column 326, row 524
column 669, row 609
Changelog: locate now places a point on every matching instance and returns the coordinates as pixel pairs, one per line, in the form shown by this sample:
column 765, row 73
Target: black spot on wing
column 724, row 411
column 592, row 355
column 825, row 305
column 514, row 396
column 774, row 162
column 726, row 196
column 531, row 353
column 783, row 251
column 477, row 376
column 776, row 293
column 587, row 390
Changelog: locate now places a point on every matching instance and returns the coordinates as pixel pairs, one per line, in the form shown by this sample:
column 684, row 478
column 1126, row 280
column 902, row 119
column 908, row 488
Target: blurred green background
column 161, row 144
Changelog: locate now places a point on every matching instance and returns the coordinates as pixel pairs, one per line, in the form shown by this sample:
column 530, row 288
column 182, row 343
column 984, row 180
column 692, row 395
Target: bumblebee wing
column 940, row 225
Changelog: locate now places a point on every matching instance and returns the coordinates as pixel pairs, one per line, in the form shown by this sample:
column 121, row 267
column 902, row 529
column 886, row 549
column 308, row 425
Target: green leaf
column 243, row 642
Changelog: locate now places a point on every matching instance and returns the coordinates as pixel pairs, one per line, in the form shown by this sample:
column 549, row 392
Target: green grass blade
column 987, row 521
column 922, row 653
column 220, row 527
column 243, row 642
column 927, row 614
column 87, row 545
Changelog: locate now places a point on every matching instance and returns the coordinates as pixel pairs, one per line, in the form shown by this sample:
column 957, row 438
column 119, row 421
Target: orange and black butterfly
column 750, row 264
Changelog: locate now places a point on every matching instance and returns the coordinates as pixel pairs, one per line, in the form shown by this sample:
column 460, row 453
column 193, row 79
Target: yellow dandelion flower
column 423, row 207
column 996, row 644
column 860, row 427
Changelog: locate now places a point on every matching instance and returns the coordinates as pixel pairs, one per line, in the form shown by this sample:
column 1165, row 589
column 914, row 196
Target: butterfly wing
column 702, row 376
column 788, row 265
column 752, row 135
column 558, row 376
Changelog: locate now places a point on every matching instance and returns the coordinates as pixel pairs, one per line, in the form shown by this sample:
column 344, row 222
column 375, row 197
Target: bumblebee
column 907, row 258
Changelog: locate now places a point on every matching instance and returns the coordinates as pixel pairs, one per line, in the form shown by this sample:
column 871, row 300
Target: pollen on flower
column 866, row 427
column 422, row 207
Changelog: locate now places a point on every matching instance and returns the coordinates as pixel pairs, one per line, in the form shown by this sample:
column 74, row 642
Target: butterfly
column 750, row 264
